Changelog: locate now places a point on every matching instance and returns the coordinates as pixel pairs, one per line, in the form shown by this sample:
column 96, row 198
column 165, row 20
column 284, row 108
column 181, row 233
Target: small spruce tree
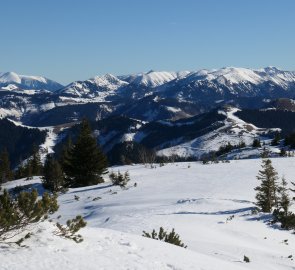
column 266, row 196
column 53, row 178
column 119, row 179
column 284, row 200
column 282, row 214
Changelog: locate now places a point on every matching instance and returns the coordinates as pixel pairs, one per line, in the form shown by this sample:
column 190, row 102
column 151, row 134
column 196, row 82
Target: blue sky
column 69, row 40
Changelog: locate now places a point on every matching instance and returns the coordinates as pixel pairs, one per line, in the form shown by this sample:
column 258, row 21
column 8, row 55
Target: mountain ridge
column 13, row 81
column 146, row 96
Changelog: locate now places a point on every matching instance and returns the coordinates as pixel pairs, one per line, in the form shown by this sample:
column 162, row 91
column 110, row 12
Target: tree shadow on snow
column 27, row 188
column 226, row 212
column 90, row 188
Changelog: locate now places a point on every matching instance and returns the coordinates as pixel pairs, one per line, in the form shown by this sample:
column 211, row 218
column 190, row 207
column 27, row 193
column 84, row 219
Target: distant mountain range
column 147, row 96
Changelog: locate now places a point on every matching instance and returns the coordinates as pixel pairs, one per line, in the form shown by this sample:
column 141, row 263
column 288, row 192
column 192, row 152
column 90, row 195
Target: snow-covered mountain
column 233, row 75
column 227, row 83
column 13, row 81
column 98, row 87
column 147, row 96
column 209, row 85
column 153, row 78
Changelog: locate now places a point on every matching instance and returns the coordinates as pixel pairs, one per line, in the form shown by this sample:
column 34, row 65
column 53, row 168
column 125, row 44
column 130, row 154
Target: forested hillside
column 19, row 140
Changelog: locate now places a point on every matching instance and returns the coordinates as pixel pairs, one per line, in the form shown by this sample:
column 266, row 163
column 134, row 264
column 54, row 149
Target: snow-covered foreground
column 208, row 205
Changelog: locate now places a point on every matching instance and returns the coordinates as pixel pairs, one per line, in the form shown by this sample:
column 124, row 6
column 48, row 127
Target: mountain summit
column 14, row 81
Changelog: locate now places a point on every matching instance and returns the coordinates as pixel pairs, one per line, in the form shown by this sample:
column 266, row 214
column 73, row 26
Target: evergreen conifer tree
column 53, row 178
column 266, row 196
column 5, row 171
column 35, row 162
column 65, row 152
column 86, row 162
column 282, row 214
column 17, row 212
column 284, row 199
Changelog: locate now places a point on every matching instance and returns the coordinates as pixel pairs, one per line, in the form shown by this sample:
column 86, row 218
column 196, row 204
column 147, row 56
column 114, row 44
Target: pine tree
column 119, row 179
column 86, row 162
column 5, row 171
column 282, row 214
column 53, row 176
column 17, row 212
column 35, row 161
column 284, row 199
column 266, row 196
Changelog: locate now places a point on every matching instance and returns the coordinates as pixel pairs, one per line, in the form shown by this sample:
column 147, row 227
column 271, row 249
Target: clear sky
column 69, row 40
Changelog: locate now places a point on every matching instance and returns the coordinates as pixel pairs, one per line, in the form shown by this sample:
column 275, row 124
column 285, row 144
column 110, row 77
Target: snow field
column 208, row 205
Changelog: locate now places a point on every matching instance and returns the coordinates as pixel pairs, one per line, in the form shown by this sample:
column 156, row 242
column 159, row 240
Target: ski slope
column 210, row 207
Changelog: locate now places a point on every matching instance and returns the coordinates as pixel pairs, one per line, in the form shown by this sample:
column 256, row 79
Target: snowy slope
column 234, row 132
column 208, row 205
column 108, row 250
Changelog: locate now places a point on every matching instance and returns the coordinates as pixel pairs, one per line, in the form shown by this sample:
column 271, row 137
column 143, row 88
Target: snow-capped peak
column 237, row 75
column 98, row 86
column 154, row 78
column 27, row 82
column 109, row 81
column 9, row 77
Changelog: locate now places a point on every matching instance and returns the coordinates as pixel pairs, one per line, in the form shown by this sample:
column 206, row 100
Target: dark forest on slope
column 19, row 140
column 285, row 120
